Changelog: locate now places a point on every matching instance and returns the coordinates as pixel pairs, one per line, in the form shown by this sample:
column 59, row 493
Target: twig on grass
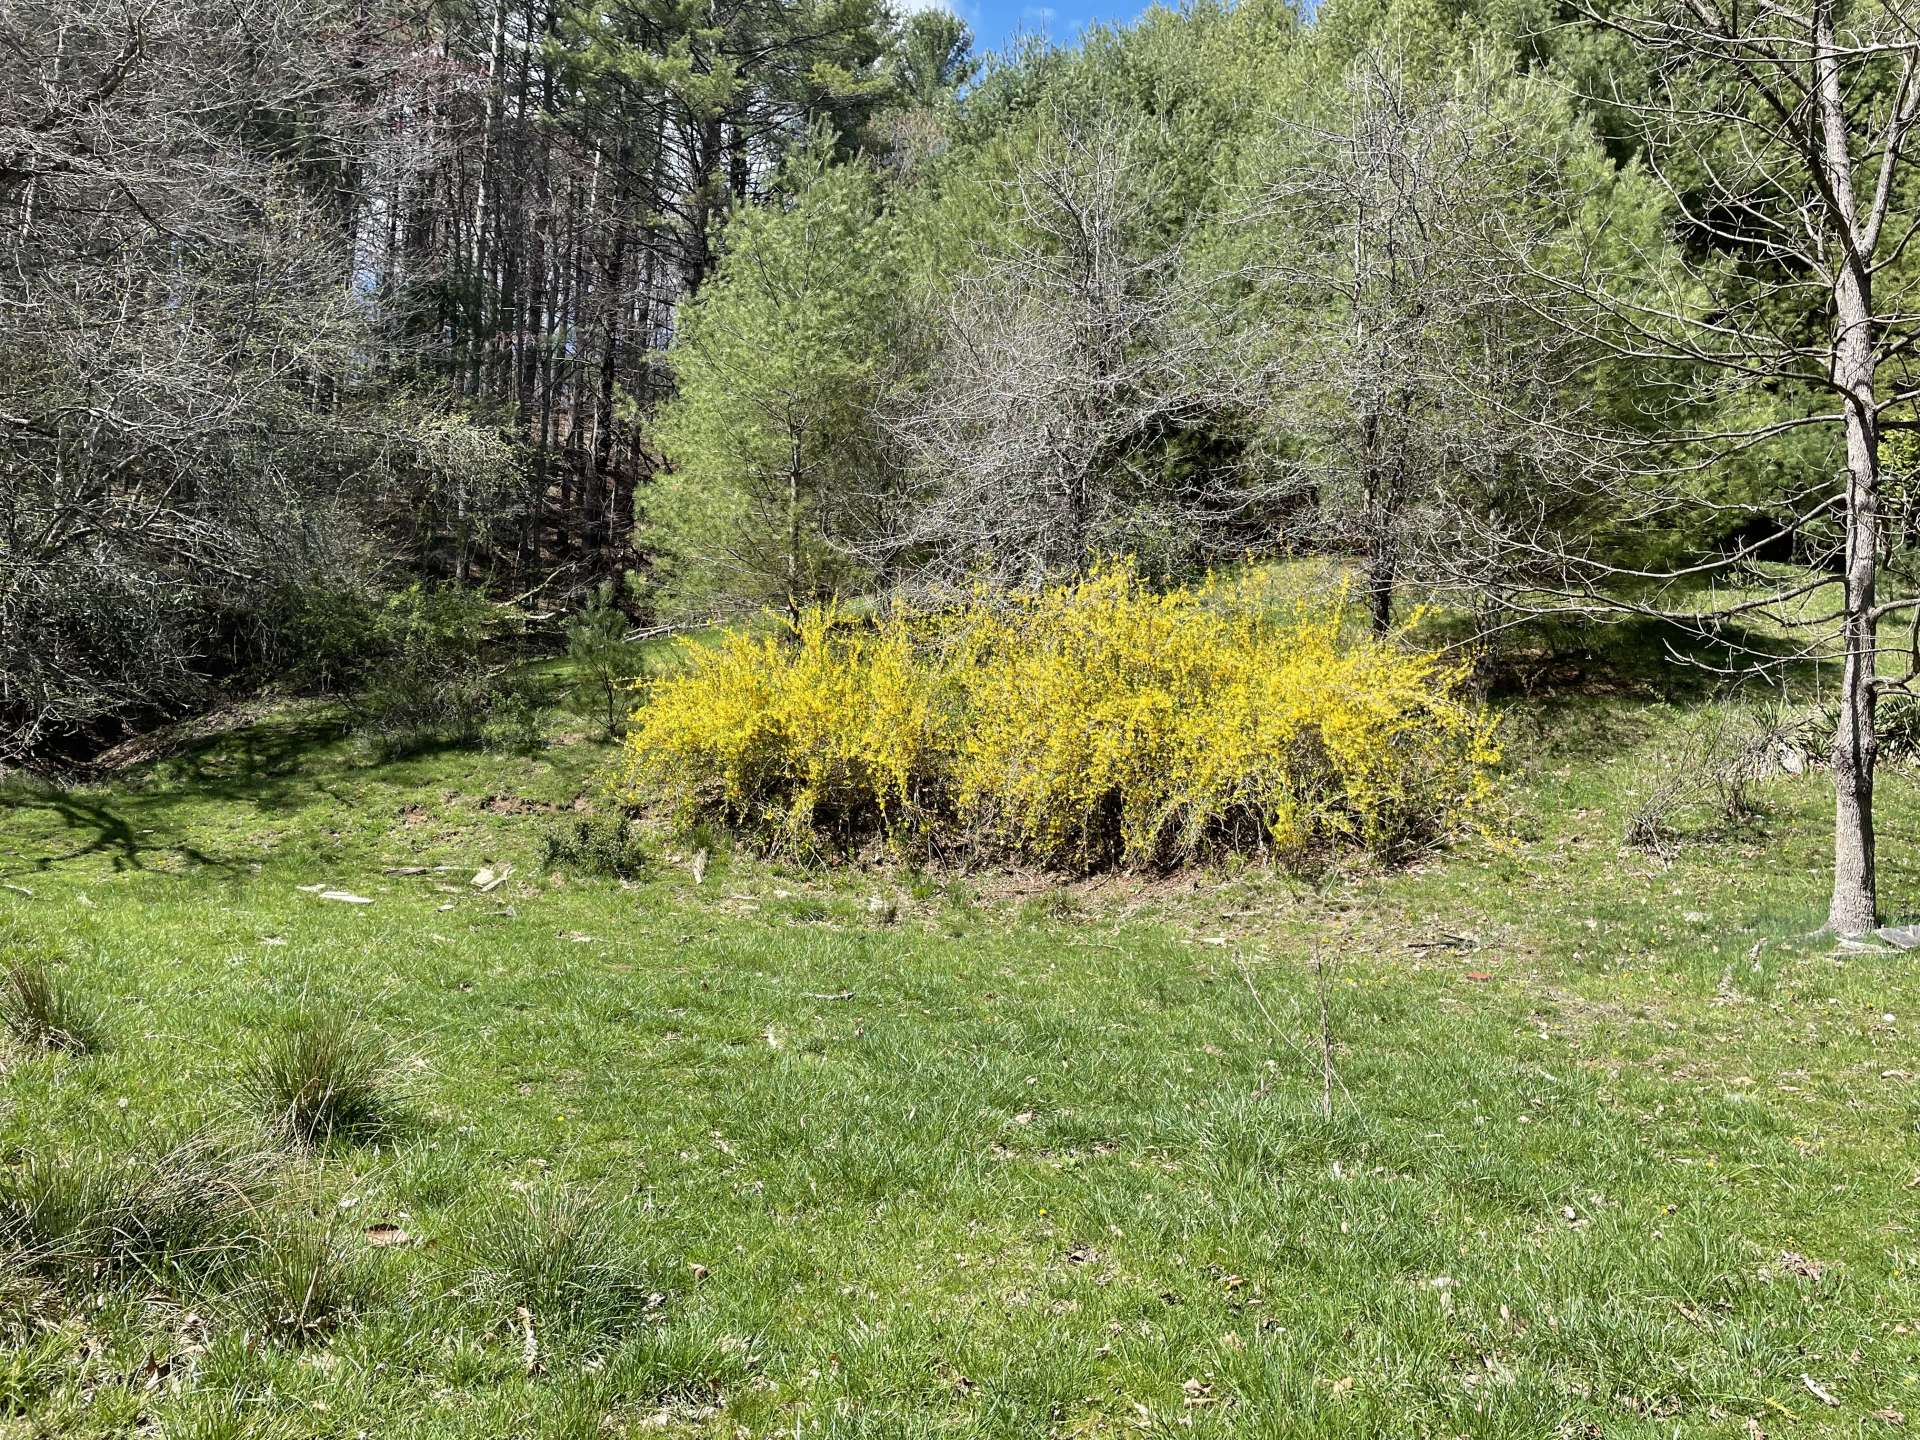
column 1329, row 1076
column 1326, row 1037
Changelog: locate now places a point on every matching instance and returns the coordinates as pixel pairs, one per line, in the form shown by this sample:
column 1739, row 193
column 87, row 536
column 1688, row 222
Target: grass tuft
column 82, row 1217
column 321, row 1078
column 42, row 1013
column 563, row 1255
column 303, row 1286
column 596, row 845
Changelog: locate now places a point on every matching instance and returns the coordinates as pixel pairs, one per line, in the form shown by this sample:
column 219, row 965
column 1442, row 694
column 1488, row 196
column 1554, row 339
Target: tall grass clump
column 89, row 1215
column 303, row 1284
column 41, row 1013
column 563, row 1256
column 320, row 1077
column 1088, row 725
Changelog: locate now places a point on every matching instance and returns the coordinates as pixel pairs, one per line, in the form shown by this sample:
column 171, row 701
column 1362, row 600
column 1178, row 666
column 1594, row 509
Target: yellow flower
column 1082, row 725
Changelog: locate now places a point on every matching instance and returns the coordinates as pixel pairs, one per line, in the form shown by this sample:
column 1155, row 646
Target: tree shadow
column 1642, row 657
column 266, row 768
column 100, row 830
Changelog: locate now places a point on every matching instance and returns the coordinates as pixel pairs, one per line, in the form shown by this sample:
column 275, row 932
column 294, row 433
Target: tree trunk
column 793, row 529
column 696, row 259
column 1855, row 744
column 1381, row 489
column 607, row 536
column 1380, row 582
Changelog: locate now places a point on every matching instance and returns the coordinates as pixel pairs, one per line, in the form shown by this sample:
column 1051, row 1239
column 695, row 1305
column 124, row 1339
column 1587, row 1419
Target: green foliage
column 595, row 845
column 517, row 713
column 604, row 660
column 933, row 56
column 318, row 1077
column 437, row 678
column 323, row 639
column 772, row 439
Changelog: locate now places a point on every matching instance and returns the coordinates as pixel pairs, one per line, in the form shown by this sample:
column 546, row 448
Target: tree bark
column 793, row 526
column 1855, row 742
column 1852, row 910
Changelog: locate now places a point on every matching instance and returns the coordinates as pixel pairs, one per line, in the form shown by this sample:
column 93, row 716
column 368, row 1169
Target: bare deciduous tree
column 1404, row 388
column 1783, row 136
column 179, row 345
column 1060, row 368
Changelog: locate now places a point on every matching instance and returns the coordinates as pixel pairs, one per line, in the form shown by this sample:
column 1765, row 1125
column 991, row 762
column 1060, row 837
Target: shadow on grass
column 263, row 767
column 274, row 766
column 1588, row 685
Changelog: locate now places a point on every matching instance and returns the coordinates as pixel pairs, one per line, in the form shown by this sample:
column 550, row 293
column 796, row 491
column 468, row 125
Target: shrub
column 1707, row 778
column 319, row 639
column 433, row 681
column 321, row 1078
column 44, row 1014
column 1087, row 725
column 596, row 845
column 516, row 721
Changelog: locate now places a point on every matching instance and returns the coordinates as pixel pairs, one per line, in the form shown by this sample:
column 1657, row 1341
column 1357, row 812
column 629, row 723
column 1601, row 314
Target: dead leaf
column 1478, row 975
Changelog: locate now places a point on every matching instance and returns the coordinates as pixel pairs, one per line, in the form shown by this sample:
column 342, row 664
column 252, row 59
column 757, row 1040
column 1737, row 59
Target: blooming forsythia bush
column 1092, row 724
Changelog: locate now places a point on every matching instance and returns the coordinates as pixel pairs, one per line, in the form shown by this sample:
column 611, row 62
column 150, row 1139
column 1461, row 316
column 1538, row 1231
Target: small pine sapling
column 605, row 660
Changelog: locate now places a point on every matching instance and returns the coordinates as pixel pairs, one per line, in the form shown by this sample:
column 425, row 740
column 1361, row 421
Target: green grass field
column 1616, row 1145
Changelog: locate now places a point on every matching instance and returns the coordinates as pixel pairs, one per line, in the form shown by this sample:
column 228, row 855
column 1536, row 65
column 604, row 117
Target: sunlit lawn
column 1615, row 1145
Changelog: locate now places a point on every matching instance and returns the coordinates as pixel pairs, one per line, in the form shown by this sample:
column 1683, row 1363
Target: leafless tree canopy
column 176, row 313
column 1060, row 366
column 1421, row 406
